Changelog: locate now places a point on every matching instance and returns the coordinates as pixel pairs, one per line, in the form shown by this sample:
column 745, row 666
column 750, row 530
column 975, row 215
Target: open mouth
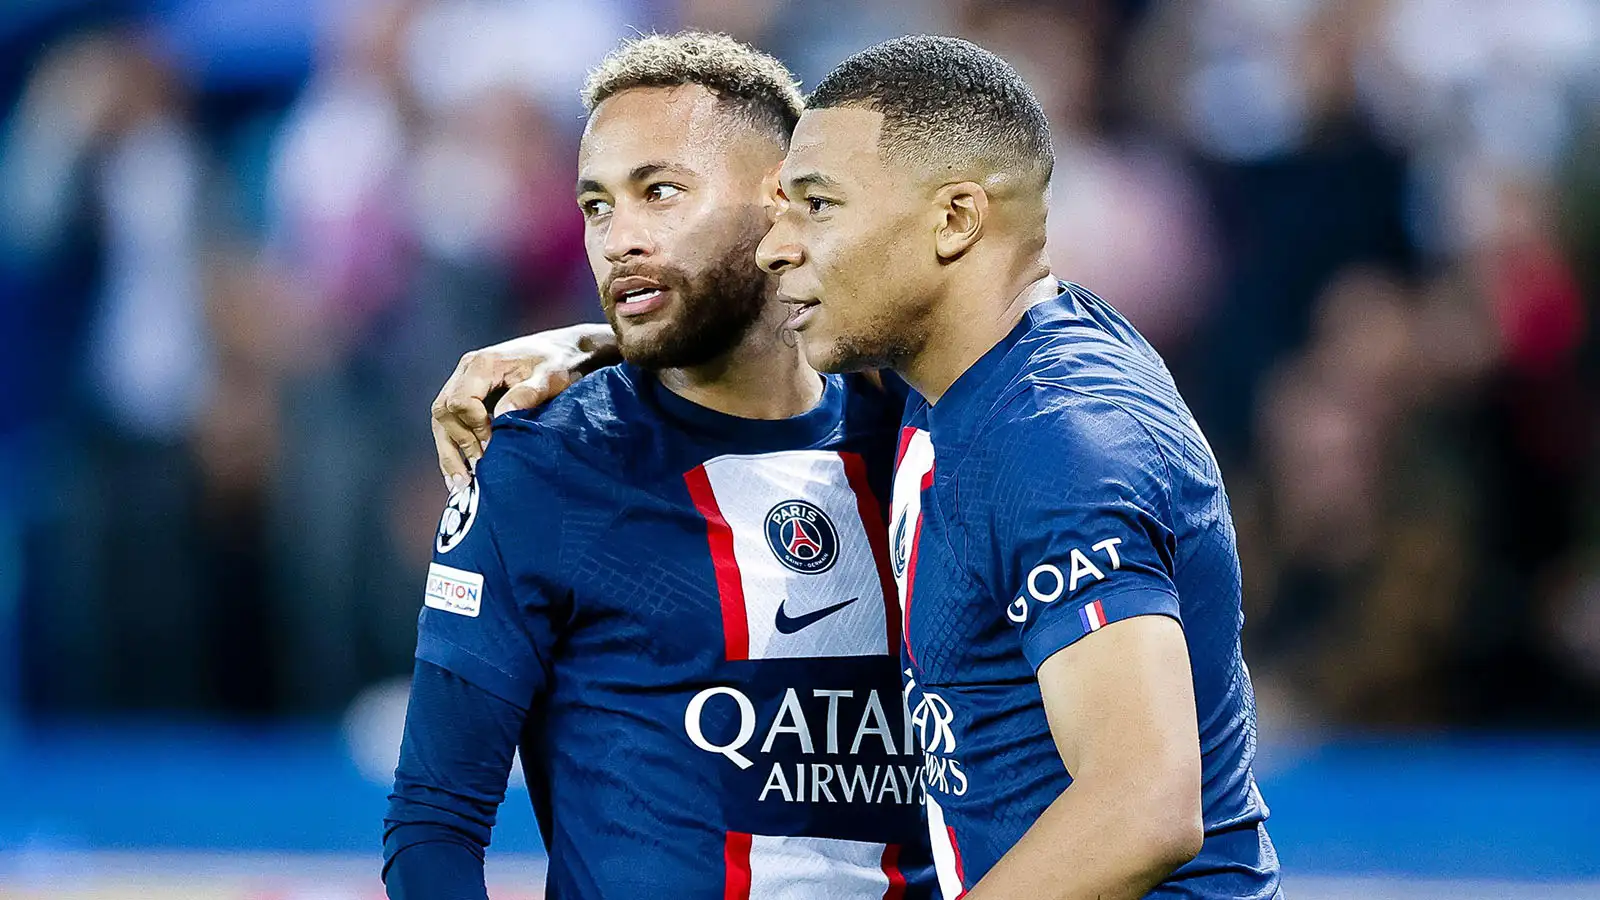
column 638, row 296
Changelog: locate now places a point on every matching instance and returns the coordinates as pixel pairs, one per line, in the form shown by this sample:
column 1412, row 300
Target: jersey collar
column 811, row 428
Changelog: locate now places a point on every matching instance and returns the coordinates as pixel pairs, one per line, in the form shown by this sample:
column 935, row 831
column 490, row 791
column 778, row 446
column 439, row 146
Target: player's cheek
column 594, row 250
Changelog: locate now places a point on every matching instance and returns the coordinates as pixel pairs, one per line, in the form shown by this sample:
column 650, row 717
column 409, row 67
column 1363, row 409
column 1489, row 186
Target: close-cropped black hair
column 944, row 101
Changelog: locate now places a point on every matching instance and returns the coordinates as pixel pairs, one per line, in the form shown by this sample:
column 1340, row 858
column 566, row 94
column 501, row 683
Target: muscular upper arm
column 1121, row 709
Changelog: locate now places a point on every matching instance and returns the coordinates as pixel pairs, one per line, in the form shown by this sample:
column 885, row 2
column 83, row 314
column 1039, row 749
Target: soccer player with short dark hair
column 671, row 586
column 1063, row 544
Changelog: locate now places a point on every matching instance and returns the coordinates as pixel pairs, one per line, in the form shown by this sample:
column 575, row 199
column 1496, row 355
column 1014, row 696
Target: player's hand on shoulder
column 517, row 374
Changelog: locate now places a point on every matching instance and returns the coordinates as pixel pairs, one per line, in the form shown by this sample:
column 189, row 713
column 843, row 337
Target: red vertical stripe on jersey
column 730, row 587
column 911, row 564
column 855, row 471
column 906, row 434
column 736, row 883
column 961, row 872
column 891, row 868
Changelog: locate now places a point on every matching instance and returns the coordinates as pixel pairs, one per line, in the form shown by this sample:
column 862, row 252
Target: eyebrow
column 638, row 173
column 814, row 179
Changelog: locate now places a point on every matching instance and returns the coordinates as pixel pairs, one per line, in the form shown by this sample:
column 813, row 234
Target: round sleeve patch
column 459, row 513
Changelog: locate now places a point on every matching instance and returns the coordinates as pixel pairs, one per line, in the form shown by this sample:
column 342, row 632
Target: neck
column 764, row 376
column 976, row 311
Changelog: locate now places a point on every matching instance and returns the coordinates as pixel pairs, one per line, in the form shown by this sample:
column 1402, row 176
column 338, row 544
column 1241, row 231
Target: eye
column 594, row 207
column 662, row 191
column 818, row 205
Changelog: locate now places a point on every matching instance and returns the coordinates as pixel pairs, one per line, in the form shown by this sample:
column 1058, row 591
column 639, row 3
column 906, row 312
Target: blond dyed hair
column 762, row 90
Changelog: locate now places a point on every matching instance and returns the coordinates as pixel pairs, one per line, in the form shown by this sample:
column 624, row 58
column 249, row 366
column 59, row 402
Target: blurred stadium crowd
column 241, row 245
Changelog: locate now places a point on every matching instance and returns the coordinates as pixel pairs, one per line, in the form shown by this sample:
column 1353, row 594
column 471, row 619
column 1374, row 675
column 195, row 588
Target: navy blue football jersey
column 1061, row 484
column 698, row 613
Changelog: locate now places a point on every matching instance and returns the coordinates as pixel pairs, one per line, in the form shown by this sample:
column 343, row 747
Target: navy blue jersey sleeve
column 454, row 759
column 489, row 615
column 1077, row 499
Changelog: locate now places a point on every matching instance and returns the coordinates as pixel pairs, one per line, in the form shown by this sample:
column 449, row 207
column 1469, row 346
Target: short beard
column 859, row 354
column 719, row 307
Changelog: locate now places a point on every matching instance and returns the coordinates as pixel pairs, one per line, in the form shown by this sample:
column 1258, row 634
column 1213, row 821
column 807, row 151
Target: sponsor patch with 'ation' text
column 454, row 590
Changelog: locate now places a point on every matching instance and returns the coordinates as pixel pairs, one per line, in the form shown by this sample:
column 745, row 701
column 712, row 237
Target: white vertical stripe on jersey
column 906, row 508
column 944, row 851
column 747, row 488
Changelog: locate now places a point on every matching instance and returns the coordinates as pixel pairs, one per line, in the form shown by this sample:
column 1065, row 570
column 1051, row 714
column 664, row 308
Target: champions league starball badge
column 802, row 537
column 459, row 513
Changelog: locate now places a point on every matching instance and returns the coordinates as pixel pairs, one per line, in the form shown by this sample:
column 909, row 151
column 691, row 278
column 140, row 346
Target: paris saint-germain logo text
column 802, row 537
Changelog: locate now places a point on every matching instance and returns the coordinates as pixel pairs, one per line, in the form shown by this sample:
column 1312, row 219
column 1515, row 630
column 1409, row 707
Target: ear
column 963, row 209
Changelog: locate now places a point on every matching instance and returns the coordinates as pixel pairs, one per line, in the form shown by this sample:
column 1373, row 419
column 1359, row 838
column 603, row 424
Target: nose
column 627, row 237
column 778, row 252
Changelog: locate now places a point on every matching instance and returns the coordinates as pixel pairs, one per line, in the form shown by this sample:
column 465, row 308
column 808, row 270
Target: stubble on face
column 718, row 306
column 706, row 254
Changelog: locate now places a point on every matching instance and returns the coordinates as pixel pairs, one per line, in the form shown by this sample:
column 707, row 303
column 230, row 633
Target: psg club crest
column 802, row 537
column 459, row 513
column 898, row 539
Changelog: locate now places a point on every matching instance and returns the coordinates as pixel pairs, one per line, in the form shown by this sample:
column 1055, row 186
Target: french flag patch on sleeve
column 1093, row 616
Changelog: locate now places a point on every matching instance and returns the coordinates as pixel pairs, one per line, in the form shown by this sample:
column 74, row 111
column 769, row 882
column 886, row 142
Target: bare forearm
column 1101, row 841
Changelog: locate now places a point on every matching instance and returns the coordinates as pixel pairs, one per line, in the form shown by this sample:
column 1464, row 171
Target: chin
column 819, row 354
column 831, row 356
column 643, row 346
column 672, row 347
column 647, row 336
